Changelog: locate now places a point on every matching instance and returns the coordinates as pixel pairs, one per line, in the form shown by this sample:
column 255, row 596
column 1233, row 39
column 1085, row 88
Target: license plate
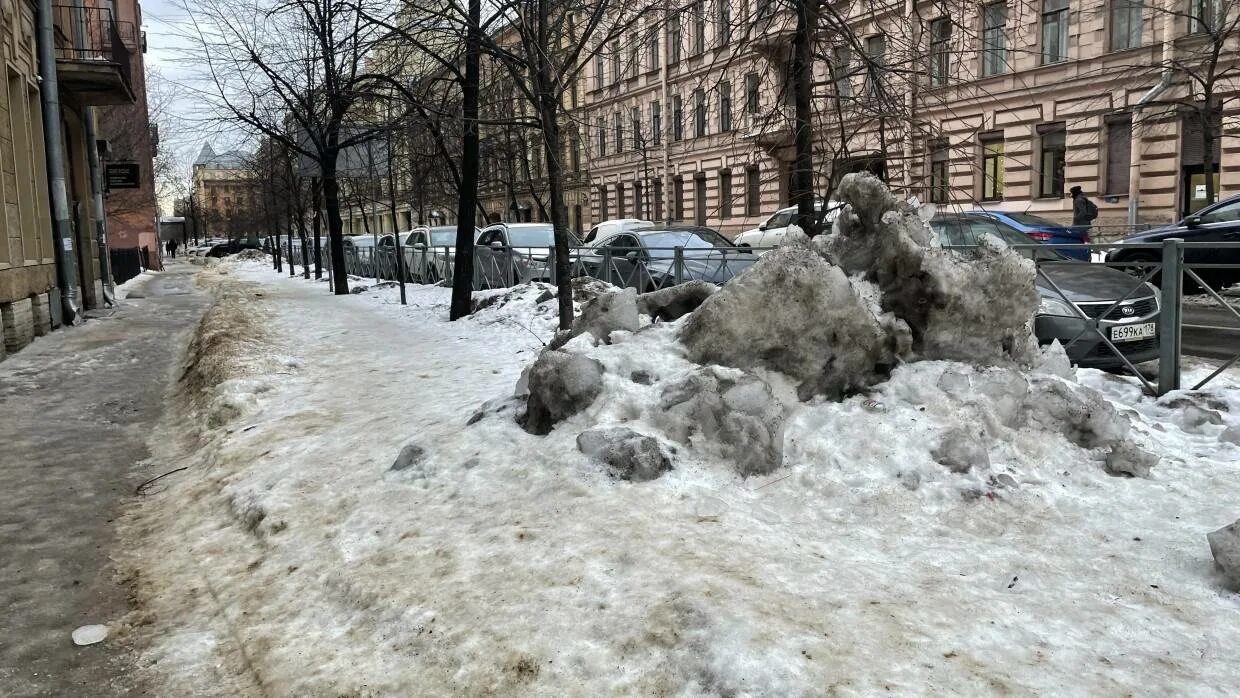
column 1129, row 333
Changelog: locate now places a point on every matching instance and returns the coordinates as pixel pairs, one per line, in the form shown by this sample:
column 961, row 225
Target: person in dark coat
column 172, row 248
column 1084, row 211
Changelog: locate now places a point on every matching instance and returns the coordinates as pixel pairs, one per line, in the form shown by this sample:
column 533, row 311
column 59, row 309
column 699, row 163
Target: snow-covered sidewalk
column 291, row 558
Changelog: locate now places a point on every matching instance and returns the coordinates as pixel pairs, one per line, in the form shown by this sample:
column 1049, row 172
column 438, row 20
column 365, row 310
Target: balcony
column 772, row 32
column 94, row 65
column 772, row 128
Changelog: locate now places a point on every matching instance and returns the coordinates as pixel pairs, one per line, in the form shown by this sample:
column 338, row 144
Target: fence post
column 678, row 265
column 1169, row 319
column 607, row 264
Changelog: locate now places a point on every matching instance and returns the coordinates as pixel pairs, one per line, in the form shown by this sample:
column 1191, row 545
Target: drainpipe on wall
column 98, row 212
column 666, row 175
column 1167, row 53
column 62, row 232
column 909, row 103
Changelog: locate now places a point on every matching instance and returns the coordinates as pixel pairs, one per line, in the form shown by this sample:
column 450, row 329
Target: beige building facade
column 1003, row 105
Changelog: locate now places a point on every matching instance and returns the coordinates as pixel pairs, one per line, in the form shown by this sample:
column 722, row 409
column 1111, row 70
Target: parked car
column 231, row 247
column 772, row 231
column 512, row 253
column 429, row 252
column 645, row 259
column 618, row 225
column 1219, row 222
column 1043, row 230
column 1132, row 325
column 359, row 254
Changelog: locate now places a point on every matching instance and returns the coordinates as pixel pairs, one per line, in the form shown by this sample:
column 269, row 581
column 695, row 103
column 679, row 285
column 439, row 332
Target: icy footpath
column 293, row 559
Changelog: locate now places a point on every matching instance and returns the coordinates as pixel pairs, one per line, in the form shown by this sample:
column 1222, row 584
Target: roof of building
column 228, row 160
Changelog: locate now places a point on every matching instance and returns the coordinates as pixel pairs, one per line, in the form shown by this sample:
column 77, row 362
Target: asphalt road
column 1210, row 343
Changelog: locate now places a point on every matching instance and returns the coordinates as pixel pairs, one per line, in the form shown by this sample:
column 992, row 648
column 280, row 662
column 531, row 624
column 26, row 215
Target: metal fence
column 1122, row 330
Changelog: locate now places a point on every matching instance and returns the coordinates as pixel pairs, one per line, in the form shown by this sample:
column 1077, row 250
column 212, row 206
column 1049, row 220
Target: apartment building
column 1005, row 105
column 92, row 69
column 224, row 190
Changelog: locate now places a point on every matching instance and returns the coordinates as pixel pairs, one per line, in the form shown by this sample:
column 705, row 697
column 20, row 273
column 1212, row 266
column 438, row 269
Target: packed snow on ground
column 292, row 559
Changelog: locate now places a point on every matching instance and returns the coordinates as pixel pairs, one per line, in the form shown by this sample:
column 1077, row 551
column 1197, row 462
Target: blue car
column 1044, row 231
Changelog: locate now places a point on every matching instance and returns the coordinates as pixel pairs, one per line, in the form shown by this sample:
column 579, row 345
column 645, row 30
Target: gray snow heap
column 628, row 454
column 837, row 314
column 1225, row 547
column 560, row 385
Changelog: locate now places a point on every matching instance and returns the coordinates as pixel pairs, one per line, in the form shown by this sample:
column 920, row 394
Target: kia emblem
column 1127, row 310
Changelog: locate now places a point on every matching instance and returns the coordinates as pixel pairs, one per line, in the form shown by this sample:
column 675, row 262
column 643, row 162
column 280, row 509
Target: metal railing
column 1089, row 332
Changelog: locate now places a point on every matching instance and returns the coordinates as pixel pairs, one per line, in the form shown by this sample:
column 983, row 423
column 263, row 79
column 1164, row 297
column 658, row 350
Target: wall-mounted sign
column 121, row 175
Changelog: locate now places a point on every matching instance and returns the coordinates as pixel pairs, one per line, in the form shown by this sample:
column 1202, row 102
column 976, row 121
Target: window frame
column 940, row 171
column 1120, row 17
column 1060, row 19
column 699, row 113
column 1052, row 147
column 753, row 92
column 994, row 53
column 940, row 51
column 725, row 194
column 993, row 160
column 725, row 106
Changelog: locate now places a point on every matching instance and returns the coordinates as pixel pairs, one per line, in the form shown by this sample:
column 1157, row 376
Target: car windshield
column 443, row 237
column 965, row 232
column 1030, row 219
column 534, row 236
column 667, row 241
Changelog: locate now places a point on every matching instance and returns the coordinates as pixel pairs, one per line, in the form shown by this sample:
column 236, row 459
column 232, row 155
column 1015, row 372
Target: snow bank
column 291, row 559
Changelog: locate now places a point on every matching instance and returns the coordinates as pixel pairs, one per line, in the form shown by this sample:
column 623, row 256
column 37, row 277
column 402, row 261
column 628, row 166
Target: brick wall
column 18, row 321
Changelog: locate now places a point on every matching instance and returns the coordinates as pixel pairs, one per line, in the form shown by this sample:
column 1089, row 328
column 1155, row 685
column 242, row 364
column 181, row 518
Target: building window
column 574, row 153
column 994, row 39
column 699, row 198
column 615, row 62
column 992, row 167
column 678, row 119
column 725, row 106
column 619, row 200
column 940, row 51
column 658, row 199
column 939, row 178
column 725, row 22
column 1054, row 31
column 675, row 39
column 725, row 195
column 678, row 199
column 656, row 123
column 841, row 65
column 765, row 8
column 634, row 66
column 1126, row 24
column 656, row 36
column 1119, row 153
column 751, row 93
column 699, row 26
column 753, row 191
column 638, row 203
column 1053, row 154
column 601, row 127
column 1209, row 15
column 599, row 71
column 602, row 203
column 876, row 52
column 635, row 117
column 699, row 113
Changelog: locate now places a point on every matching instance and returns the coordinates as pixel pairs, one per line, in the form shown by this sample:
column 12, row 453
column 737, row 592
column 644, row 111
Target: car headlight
column 1157, row 294
column 1055, row 306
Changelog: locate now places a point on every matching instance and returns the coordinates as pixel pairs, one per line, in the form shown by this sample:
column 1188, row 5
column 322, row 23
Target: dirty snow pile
column 654, row 512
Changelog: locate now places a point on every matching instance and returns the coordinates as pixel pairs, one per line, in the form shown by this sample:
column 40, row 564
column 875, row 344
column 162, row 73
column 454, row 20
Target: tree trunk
column 317, row 200
column 1207, row 141
column 335, row 239
column 548, row 117
column 802, row 88
column 463, row 272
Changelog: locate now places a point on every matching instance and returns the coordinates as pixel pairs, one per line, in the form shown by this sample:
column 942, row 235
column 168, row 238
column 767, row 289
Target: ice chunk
column 560, row 385
column 961, row 450
column 1225, row 547
column 628, row 454
column 1127, row 458
column 675, row 301
column 90, row 634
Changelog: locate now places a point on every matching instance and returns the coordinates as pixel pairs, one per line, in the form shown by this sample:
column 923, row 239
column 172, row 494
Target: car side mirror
column 497, row 245
column 419, row 245
column 1192, row 221
column 762, row 226
column 633, row 255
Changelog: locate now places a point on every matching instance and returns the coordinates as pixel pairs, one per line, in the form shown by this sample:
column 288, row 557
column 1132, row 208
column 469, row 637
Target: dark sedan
column 646, row 259
column 1127, row 314
column 1217, row 223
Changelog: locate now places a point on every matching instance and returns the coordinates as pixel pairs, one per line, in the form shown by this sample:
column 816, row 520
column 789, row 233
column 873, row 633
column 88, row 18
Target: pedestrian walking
column 172, row 247
column 1084, row 211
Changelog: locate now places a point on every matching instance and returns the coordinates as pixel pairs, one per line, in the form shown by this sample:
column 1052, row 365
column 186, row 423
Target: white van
column 771, row 232
column 619, row 225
